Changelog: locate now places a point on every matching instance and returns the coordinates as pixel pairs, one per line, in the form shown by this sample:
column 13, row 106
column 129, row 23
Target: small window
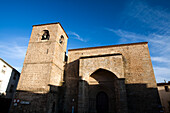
column 66, row 57
column 166, row 88
column 11, row 88
column 61, row 41
column 15, row 76
column 47, row 51
column 45, row 35
column 3, row 71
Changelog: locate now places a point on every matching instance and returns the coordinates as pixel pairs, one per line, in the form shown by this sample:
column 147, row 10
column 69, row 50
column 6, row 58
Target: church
column 105, row 79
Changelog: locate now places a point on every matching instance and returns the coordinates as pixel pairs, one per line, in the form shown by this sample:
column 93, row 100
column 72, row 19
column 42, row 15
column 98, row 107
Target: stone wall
column 43, row 71
column 51, row 85
column 140, row 88
column 136, row 58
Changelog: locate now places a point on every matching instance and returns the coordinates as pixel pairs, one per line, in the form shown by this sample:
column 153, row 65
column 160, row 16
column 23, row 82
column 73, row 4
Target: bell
column 45, row 36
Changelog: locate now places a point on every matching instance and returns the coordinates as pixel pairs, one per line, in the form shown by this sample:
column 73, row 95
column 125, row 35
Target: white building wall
column 5, row 74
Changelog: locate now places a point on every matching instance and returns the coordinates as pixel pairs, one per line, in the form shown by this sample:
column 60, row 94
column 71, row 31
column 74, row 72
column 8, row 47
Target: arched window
column 61, row 40
column 45, row 35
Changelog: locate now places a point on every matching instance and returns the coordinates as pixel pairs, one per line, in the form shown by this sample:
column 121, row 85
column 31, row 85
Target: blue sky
column 89, row 23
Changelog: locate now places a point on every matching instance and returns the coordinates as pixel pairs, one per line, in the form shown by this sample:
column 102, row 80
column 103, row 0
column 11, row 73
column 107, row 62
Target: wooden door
column 102, row 103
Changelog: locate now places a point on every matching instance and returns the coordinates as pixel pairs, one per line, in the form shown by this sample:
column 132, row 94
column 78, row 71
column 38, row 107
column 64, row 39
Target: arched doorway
column 102, row 102
column 102, row 92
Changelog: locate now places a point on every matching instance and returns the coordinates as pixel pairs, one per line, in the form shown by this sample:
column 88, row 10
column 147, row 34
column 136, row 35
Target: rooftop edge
column 46, row 24
column 8, row 64
column 50, row 24
column 108, row 46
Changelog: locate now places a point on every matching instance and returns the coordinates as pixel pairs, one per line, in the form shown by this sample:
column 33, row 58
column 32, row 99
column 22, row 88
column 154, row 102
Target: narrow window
column 166, row 88
column 45, row 35
column 66, row 57
column 47, row 51
column 61, row 41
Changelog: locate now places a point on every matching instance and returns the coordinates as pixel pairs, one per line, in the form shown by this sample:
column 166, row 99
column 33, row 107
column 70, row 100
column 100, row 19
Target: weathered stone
column 113, row 79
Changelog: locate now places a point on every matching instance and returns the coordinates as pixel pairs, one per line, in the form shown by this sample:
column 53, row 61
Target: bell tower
column 43, row 70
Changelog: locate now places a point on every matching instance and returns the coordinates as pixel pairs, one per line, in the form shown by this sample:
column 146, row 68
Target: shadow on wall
column 30, row 102
column 4, row 104
column 104, row 84
column 104, row 92
column 138, row 97
column 142, row 99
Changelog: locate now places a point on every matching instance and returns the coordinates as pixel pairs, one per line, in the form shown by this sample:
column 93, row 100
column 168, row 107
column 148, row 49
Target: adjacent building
column 9, row 77
column 106, row 79
column 164, row 93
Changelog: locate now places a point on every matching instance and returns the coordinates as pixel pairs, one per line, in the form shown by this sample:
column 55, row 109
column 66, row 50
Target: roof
column 109, row 46
column 105, row 55
column 8, row 64
column 50, row 24
column 46, row 24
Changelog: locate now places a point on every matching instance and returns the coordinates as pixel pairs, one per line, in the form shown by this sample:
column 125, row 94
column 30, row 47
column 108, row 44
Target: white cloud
column 13, row 53
column 76, row 36
column 127, row 34
column 160, row 49
column 160, row 59
column 160, row 43
column 162, row 73
column 12, row 50
column 155, row 17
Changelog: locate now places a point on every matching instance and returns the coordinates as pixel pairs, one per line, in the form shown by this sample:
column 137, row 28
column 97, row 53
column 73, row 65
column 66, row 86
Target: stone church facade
column 107, row 79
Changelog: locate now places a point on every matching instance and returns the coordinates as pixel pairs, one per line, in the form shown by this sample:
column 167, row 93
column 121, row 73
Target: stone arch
column 102, row 73
column 107, row 75
column 46, row 35
column 113, row 64
column 103, row 80
column 104, row 69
